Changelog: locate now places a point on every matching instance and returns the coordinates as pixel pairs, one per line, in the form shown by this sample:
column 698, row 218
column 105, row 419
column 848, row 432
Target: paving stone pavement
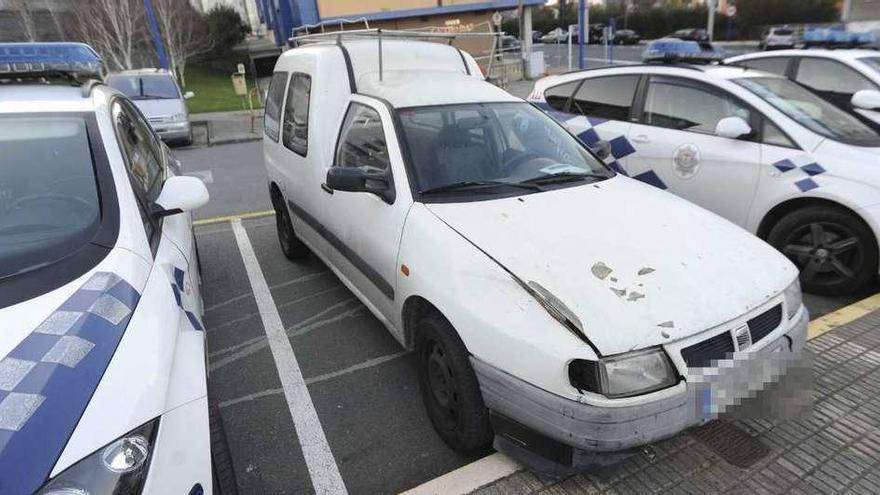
column 835, row 449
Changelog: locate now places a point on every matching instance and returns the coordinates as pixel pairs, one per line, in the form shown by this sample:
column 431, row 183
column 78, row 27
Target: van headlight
column 793, row 298
column 119, row 467
column 624, row 375
column 178, row 117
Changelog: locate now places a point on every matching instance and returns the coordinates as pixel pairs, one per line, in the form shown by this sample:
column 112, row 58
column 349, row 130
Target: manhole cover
column 732, row 444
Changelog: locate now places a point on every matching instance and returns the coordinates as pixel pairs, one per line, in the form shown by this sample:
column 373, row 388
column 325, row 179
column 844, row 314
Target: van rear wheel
column 450, row 390
column 835, row 251
column 291, row 246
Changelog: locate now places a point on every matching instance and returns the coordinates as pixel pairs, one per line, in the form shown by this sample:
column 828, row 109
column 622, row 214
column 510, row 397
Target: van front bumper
column 546, row 427
column 173, row 131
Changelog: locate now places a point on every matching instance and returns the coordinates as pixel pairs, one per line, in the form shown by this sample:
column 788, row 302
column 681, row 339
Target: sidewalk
column 215, row 128
column 833, row 450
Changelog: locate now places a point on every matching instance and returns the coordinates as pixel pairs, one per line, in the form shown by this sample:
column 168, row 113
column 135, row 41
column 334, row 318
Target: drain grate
column 731, row 443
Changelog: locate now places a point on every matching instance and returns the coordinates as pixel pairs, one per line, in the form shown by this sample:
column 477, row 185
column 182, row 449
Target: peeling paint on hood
column 672, row 261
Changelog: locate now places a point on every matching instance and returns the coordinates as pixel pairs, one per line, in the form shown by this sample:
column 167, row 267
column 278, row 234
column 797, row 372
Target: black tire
column 450, row 390
column 291, row 246
column 222, row 471
column 835, row 250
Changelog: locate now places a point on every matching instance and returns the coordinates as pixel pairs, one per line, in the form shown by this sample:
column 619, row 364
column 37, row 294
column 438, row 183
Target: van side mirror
column 732, row 128
column 602, row 149
column 361, row 179
column 179, row 194
column 188, row 95
column 867, row 99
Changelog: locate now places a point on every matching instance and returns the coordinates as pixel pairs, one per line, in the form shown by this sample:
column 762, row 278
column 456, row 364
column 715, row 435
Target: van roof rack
column 338, row 37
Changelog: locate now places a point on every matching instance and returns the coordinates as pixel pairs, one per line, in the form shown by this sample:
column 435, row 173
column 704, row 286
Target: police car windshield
column 811, row 111
column 48, row 194
column 503, row 147
column 872, row 62
column 145, row 87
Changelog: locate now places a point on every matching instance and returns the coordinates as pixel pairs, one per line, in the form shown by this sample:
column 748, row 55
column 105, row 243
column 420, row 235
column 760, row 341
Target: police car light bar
column 29, row 59
column 675, row 50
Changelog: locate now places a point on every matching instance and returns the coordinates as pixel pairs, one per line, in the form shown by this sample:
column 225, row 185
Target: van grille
column 765, row 323
column 702, row 354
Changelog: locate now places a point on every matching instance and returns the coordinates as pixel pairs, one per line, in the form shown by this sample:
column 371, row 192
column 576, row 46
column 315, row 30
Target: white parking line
column 470, row 477
column 319, row 458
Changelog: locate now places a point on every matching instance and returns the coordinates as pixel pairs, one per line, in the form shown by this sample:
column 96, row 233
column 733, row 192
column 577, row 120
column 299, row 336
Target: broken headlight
column 624, row 375
column 793, row 298
column 119, row 467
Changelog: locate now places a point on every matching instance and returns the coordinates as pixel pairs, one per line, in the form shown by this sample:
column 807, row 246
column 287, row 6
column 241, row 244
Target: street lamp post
column 710, row 23
column 157, row 36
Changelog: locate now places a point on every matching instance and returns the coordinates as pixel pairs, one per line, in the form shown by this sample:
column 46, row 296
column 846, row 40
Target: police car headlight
column 624, row 375
column 119, row 467
column 793, row 298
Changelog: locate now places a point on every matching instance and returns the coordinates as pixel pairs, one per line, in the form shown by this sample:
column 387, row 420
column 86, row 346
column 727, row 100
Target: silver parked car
column 157, row 95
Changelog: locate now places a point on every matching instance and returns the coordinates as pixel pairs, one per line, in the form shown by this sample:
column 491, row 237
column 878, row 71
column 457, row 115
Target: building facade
column 282, row 17
column 862, row 15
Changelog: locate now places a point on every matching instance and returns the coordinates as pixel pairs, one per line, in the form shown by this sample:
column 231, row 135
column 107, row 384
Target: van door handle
column 326, row 188
column 641, row 138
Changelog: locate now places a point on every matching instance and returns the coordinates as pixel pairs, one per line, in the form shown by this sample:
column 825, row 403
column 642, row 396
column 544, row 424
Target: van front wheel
column 449, row 387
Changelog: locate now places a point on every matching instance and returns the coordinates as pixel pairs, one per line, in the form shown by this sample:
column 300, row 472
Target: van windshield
column 493, row 145
column 153, row 87
column 49, row 204
column 811, row 111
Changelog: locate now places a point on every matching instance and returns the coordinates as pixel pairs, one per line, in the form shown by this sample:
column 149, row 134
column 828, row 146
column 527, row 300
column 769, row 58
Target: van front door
column 364, row 227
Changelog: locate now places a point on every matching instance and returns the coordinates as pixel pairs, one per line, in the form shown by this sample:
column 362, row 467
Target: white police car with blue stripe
column 753, row 147
column 102, row 362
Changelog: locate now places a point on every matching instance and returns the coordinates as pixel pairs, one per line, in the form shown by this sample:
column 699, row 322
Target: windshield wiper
column 563, row 177
column 479, row 184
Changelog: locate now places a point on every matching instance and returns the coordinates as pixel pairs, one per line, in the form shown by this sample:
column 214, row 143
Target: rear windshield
column 782, row 32
column 811, row 111
column 49, row 204
column 156, row 87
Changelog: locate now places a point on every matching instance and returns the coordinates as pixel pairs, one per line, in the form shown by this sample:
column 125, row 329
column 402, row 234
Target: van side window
column 273, row 104
column 558, row 96
column 362, row 140
column 296, row 114
column 606, row 97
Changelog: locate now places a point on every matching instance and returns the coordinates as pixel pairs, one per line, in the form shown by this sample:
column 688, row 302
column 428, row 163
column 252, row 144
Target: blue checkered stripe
column 177, row 288
column 47, row 380
column 621, row 147
column 789, row 167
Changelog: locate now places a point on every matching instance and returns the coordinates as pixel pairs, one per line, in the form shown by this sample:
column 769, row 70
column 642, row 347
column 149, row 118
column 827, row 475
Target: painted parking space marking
column 322, row 467
column 478, row 474
column 229, row 218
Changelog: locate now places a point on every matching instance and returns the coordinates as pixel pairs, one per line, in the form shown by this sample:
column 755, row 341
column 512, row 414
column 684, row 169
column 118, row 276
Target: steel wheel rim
column 826, row 253
column 441, row 383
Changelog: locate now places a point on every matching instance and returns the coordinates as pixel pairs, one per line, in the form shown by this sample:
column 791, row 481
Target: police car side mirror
column 732, row 128
column 188, row 95
column 602, row 149
column 179, row 194
column 867, row 99
column 357, row 179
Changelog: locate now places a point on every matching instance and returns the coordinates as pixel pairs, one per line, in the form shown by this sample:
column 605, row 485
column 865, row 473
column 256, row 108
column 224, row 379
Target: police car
column 849, row 79
column 756, row 148
column 102, row 349
column 554, row 305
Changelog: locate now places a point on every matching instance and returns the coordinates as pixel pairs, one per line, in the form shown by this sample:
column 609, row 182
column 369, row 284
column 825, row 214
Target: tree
column 115, row 28
column 184, row 32
column 752, row 14
column 25, row 17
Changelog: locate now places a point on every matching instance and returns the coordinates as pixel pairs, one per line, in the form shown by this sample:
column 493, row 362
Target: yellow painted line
column 842, row 316
column 240, row 216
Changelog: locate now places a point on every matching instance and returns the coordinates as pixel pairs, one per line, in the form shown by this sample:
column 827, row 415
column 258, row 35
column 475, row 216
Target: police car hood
column 80, row 366
column 630, row 261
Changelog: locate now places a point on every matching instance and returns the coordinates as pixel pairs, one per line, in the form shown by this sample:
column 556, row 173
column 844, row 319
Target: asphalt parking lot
column 361, row 382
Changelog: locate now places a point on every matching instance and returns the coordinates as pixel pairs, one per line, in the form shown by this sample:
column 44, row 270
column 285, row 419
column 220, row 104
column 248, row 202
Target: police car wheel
column 291, row 246
column 450, row 390
column 834, row 250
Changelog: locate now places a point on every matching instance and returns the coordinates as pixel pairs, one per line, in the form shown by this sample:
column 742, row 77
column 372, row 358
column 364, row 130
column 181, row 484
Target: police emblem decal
column 686, row 161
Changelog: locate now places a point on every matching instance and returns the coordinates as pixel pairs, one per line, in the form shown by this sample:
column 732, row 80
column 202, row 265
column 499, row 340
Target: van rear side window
column 296, row 114
column 271, row 119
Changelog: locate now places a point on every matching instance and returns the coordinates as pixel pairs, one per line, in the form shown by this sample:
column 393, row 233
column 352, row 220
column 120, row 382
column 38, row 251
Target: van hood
column 161, row 108
column 637, row 266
